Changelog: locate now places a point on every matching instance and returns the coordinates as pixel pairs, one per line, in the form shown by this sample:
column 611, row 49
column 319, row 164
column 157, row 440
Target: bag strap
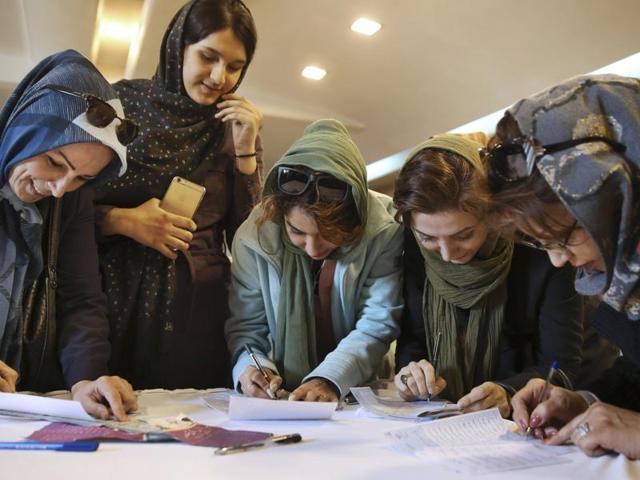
column 54, row 243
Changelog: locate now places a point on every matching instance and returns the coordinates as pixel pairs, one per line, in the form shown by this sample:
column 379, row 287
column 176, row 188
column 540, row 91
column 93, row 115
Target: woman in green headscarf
column 315, row 274
column 502, row 312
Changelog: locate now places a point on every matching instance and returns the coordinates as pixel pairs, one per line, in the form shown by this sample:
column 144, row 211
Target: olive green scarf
column 324, row 147
column 478, row 286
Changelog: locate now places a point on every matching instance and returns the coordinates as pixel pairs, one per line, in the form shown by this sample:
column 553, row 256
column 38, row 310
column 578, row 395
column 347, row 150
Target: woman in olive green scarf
column 502, row 312
column 315, row 274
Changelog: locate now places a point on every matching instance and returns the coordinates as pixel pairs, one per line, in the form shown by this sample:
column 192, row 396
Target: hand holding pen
column 257, row 381
column 541, row 407
column 419, row 380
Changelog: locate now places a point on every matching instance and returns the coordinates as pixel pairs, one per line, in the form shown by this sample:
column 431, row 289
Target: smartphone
column 182, row 197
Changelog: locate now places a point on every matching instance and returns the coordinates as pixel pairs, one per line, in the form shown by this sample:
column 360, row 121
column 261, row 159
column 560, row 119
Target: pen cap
column 78, row 447
column 281, row 439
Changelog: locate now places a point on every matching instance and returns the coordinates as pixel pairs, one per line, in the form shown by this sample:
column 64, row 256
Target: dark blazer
column 542, row 321
column 620, row 384
column 81, row 322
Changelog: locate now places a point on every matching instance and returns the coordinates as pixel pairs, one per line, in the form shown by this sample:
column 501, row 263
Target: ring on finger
column 582, row 429
column 404, row 379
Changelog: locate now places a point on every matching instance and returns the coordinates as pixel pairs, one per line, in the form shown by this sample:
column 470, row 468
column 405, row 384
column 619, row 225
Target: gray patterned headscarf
column 599, row 186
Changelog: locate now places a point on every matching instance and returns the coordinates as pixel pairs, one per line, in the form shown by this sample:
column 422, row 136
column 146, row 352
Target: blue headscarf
column 34, row 120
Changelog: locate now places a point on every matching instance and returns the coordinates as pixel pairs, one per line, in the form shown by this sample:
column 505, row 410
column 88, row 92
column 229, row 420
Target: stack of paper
column 478, row 443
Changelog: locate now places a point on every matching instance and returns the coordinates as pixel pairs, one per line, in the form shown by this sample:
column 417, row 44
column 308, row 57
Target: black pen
column 545, row 390
column 436, row 349
column 262, row 371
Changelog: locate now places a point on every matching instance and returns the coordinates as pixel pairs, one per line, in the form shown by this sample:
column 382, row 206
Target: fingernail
column 535, row 421
column 523, row 425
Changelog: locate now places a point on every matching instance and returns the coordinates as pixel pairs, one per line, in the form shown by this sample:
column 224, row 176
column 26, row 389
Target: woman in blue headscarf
column 61, row 129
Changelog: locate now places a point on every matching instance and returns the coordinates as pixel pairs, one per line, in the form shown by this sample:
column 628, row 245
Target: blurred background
column 433, row 65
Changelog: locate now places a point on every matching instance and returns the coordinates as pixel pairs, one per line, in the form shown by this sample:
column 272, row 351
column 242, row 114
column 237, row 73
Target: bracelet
column 246, row 155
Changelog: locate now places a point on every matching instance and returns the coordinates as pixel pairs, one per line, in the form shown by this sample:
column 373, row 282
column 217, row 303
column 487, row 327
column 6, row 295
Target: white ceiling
column 435, row 65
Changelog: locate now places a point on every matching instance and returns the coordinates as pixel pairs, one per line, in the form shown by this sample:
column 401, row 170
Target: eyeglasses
column 296, row 182
column 528, row 241
column 516, row 160
column 100, row 114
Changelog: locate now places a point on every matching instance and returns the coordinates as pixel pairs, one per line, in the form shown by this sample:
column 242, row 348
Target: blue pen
column 56, row 447
column 545, row 390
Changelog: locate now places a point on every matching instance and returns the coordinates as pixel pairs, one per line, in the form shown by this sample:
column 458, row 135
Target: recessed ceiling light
column 365, row 26
column 314, row 73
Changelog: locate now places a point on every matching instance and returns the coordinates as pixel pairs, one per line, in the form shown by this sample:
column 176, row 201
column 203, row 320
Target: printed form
column 478, row 443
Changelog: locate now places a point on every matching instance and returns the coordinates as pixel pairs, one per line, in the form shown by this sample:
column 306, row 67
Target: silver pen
column 262, row 371
column 272, row 440
column 436, row 349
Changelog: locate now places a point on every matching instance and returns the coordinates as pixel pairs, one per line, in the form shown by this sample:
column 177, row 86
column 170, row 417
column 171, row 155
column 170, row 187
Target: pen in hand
column 545, row 390
column 262, row 371
column 436, row 349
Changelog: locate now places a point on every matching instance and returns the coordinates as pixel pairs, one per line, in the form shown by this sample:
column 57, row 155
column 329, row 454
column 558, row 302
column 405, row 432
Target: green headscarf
column 324, row 147
column 478, row 286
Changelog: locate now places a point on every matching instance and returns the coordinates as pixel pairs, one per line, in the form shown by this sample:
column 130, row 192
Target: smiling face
column 456, row 235
column 213, row 66
column 303, row 233
column 55, row 172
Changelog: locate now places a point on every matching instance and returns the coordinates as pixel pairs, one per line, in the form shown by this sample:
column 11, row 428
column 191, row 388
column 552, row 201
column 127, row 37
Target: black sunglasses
column 516, row 159
column 100, row 114
column 296, row 182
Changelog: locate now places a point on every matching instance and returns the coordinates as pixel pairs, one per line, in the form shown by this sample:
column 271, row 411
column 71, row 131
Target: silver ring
column 582, row 429
column 404, row 379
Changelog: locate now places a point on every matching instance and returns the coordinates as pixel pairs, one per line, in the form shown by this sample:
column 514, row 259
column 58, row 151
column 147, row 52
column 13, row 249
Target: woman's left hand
column 603, row 429
column 487, row 395
column 315, row 390
column 246, row 121
column 106, row 396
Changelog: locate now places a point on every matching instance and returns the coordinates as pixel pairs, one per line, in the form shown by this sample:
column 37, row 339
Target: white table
column 351, row 446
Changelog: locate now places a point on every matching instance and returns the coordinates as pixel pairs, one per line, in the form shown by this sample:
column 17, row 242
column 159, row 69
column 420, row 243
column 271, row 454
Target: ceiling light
column 118, row 31
column 314, row 73
column 365, row 26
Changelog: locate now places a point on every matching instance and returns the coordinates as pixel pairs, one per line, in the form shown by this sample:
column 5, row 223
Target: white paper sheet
column 248, row 408
column 469, row 429
column 34, row 404
column 399, row 408
column 491, row 458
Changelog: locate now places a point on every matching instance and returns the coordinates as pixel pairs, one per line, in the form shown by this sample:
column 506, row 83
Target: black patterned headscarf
column 599, row 186
column 177, row 135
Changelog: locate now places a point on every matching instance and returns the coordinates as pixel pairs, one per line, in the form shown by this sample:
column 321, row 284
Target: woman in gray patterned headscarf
column 565, row 169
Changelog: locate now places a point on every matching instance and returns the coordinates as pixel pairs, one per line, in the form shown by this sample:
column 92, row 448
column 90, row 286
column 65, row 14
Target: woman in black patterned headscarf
column 166, row 276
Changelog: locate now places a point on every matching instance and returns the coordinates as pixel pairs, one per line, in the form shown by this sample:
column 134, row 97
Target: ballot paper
column 398, row 408
column 240, row 407
column 248, row 408
column 478, row 443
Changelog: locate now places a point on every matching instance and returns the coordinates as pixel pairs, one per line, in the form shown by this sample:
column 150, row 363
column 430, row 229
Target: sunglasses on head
column 516, row 159
column 100, row 114
column 328, row 188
